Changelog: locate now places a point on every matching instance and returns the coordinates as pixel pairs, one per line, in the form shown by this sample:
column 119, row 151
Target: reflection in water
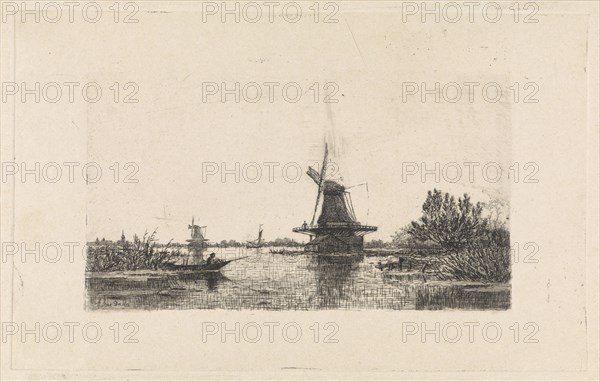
column 289, row 282
column 334, row 278
column 211, row 279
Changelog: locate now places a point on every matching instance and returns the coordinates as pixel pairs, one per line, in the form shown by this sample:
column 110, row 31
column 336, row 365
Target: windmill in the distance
column 197, row 244
column 337, row 229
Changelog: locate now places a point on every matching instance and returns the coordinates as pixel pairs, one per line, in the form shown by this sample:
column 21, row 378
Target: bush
column 486, row 264
column 449, row 223
column 473, row 248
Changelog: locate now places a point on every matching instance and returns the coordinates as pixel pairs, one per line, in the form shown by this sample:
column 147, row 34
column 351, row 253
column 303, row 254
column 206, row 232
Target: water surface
column 290, row 282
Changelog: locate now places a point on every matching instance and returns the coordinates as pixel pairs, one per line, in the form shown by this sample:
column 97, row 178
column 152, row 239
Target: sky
column 178, row 133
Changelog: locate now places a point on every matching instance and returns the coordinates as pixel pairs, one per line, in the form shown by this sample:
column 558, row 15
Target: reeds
column 142, row 253
column 485, row 264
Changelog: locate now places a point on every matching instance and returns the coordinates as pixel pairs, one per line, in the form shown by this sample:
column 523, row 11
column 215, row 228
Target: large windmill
column 336, row 229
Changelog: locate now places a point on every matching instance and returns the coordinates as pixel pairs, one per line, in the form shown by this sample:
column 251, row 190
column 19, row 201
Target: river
column 290, row 282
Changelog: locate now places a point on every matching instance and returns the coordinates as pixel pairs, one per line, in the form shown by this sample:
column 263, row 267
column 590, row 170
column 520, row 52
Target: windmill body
column 196, row 244
column 336, row 229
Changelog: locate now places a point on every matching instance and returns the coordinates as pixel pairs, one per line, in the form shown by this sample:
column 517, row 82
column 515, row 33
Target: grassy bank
column 489, row 264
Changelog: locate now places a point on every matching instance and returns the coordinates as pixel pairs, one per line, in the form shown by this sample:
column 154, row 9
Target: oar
column 239, row 258
column 243, row 285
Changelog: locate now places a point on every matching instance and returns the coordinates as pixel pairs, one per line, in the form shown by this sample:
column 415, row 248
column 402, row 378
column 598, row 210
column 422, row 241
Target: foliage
column 496, row 211
column 285, row 242
column 142, row 253
column 475, row 248
column 378, row 243
column 489, row 264
column 449, row 223
column 229, row 243
column 403, row 239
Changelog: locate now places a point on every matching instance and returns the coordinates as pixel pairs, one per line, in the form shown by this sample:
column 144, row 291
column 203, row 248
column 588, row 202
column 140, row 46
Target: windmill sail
column 312, row 173
column 350, row 206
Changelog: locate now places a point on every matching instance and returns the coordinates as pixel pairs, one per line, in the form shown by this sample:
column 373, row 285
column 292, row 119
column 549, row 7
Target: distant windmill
column 198, row 242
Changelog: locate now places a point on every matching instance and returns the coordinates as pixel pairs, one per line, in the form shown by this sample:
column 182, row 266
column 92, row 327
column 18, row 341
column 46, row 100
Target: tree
column 403, row 238
column 285, row 242
column 451, row 224
column 377, row 243
column 497, row 213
